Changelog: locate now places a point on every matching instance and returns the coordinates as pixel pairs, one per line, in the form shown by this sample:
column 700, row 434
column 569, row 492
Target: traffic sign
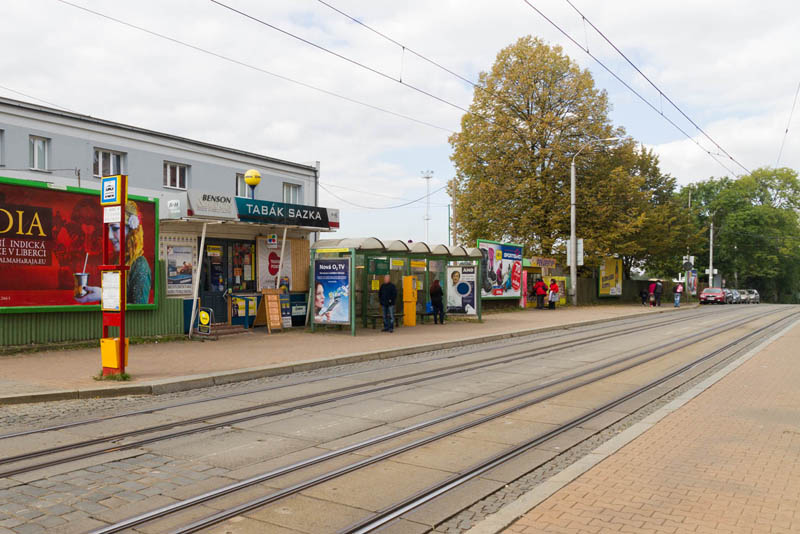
column 687, row 266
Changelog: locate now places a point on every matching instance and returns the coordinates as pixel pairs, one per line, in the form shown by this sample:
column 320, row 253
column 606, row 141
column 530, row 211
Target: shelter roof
column 375, row 245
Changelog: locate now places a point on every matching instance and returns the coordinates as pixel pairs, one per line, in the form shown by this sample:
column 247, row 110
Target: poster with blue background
column 332, row 291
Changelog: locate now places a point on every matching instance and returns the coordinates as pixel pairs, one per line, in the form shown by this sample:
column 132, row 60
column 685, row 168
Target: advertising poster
column 610, row 280
column 269, row 261
column 51, row 244
column 180, row 259
column 691, row 281
column 332, row 291
column 461, row 289
column 501, row 270
column 562, row 288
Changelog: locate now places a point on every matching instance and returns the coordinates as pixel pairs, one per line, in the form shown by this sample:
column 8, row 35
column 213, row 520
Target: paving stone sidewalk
column 726, row 462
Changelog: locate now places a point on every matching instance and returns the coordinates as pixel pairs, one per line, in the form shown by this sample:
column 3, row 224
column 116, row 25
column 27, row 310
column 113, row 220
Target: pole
column 711, row 257
column 573, row 249
column 280, row 261
column 448, row 225
column 197, row 278
column 427, row 175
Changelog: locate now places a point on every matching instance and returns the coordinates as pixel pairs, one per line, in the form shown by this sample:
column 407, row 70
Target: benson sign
column 287, row 214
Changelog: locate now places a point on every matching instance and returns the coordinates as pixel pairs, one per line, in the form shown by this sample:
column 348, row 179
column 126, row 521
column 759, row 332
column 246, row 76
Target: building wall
column 73, row 140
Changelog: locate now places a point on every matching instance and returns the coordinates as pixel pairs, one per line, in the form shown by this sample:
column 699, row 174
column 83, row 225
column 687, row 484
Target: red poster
column 47, row 236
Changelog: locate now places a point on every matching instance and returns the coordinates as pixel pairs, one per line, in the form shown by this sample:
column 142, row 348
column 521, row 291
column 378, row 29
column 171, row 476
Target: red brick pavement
column 726, row 462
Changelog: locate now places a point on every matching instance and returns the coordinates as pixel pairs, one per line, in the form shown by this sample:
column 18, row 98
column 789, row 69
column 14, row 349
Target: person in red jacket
column 540, row 290
column 553, row 296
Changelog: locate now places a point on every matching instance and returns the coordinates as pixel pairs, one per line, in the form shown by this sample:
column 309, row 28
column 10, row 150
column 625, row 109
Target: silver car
column 753, row 297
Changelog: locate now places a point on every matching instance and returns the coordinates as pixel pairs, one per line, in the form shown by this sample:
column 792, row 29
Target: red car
column 711, row 295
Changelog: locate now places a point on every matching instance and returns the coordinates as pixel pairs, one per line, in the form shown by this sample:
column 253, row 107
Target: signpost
column 113, row 351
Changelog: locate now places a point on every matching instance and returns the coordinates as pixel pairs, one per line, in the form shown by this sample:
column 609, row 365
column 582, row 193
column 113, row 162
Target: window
column 241, row 186
column 107, row 163
column 291, row 193
column 37, row 152
column 175, row 175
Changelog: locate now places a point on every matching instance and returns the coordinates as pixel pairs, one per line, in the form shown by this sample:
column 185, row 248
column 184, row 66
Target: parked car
column 712, row 295
column 755, row 298
column 736, row 297
column 728, row 295
column 745, row 294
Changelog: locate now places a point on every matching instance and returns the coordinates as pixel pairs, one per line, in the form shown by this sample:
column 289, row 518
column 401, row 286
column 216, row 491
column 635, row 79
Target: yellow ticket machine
column 410, row 285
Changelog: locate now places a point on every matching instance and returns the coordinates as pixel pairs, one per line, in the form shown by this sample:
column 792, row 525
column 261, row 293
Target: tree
column 529, row 115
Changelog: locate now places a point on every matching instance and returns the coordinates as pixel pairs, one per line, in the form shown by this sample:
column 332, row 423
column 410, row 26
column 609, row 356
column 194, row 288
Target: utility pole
column 427, row 175
column 711, row 257
column 448, row 225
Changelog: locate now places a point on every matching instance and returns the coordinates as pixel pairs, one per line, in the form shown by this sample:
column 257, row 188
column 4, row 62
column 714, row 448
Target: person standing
column 678, row 290
column 643, row 294
column 436, row 302
column 553, row 297
column 540, row 288
column 651, row 292
column 387, row 296
column 658, row 292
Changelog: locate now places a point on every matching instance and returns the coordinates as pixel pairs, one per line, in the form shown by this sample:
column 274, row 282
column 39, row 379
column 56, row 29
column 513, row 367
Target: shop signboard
column 211, row 205
column 461, row 289
column 501, row 270
column 265, row 211
column 332, row 291
column 610, row 280
column 51, row 247
column 180, row 266
column 539, row 261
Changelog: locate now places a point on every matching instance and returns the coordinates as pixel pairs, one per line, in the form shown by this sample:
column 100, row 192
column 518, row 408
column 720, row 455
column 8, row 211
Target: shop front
column 532, row 269
column 224, row 251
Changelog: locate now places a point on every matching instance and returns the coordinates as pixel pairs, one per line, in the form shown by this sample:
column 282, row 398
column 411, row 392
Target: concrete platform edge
column 184, row 383
column 497, row 522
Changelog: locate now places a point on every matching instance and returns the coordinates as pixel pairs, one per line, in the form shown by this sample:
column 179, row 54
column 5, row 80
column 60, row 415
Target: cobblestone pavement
column 466, row 519
column 728, row 461
column 139, row 480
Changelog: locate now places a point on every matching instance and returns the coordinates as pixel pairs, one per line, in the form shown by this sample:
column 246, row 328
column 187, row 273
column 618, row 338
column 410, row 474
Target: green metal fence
column 60, row 327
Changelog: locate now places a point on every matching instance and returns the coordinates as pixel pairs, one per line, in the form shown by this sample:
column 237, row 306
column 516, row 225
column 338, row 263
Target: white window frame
column 99, row 153
column 292, row 190
column 240, row 186
column 2, row 148
column 168, row 176
column 34, row 152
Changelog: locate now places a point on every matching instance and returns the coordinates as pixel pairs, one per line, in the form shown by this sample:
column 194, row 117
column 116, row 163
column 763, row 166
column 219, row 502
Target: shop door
column 215, row 280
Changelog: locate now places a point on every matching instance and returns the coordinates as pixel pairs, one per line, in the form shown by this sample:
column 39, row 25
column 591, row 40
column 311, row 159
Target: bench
column 423, row 315
column 375, row 317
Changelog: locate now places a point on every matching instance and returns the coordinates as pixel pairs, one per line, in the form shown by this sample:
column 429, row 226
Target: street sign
column 204, row 319
column 687, row 266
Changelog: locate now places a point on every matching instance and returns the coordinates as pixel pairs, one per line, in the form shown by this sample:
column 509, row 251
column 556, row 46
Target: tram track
column 654, row 353
column 405, row 380
column 461, row 353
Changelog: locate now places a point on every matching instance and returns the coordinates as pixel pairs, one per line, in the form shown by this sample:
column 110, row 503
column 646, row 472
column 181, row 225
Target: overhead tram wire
column 381, row 207
column 375, row 194
column 341, row 56
column 660, row 92
column 627, row 85
column 35, row 98
column 789, row 122
column 257, row 69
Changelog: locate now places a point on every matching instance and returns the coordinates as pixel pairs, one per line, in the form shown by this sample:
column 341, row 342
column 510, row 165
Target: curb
column 499, row 521
column 184, row 383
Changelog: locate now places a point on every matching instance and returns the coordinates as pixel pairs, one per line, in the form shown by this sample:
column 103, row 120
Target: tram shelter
column 367, row 260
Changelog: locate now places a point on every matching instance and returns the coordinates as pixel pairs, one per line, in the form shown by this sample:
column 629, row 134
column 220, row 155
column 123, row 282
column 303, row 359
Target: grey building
column 199, row 190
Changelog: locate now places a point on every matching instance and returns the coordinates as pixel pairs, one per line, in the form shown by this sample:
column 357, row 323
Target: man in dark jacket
column 658, row 292
column 387, row 296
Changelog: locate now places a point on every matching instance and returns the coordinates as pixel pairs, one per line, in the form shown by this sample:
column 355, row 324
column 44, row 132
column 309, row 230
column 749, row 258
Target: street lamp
column 252, row 178
column 573, row 249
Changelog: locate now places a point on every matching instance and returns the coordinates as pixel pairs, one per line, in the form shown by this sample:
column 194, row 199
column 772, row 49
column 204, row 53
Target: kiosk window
column 243, row 266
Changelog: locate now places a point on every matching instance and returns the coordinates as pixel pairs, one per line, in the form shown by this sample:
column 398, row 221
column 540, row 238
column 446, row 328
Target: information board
column 111, row 290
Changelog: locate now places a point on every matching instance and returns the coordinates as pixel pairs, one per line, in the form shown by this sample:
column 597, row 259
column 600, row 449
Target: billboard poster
column 461, row 289
column 269, row 261
column 180, row 260
column 332, row 291
column 562, row 288
column 51, row 245
column 691, row 281
column 610, row 281
column 501, row 270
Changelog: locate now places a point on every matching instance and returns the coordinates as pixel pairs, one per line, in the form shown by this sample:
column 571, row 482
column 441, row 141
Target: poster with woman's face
column 51, row 245
column 332, row 291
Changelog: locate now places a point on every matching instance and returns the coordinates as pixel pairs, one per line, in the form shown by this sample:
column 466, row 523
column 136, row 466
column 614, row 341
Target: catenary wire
column 660, row 92
column 35, row 98
column 628, row 86
column 381, row 207
column 374, row 194
column 401, row 45
column 258, row 69
column 342, row 57
column 786, row 132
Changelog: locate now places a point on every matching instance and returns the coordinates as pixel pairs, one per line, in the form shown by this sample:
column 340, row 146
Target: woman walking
column 553, row 297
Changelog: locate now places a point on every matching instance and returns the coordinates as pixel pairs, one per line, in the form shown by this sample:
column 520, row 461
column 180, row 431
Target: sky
column 730, row 66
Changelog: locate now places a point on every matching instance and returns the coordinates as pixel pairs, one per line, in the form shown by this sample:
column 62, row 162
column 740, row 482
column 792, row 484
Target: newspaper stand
column 114, row 351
